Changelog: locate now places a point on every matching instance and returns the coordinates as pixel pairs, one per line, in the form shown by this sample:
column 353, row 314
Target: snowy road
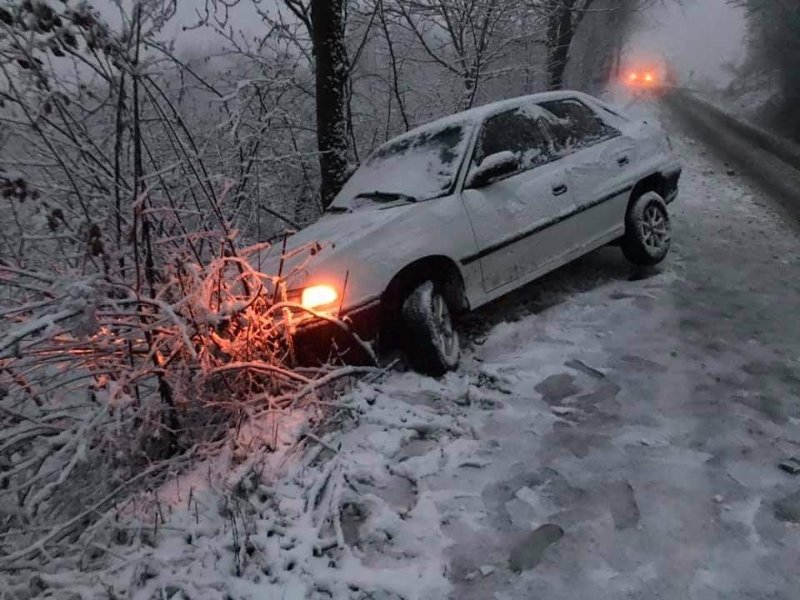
column 642, row 414
column 611, row 433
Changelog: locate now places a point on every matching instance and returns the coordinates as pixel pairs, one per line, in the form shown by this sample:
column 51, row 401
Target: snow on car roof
column 479, row 113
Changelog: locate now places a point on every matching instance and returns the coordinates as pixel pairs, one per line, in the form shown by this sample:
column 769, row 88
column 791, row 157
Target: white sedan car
column 459, row 212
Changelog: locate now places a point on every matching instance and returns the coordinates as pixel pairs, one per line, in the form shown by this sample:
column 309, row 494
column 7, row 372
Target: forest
column 773, row 61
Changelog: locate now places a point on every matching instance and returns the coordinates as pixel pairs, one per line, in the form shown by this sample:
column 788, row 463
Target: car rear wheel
column 431, row 343
column 648, row 233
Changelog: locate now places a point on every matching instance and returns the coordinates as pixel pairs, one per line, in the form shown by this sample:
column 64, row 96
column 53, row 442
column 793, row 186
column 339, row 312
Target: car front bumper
column 316, row 340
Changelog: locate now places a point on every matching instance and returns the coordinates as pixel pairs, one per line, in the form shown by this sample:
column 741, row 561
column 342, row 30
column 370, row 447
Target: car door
column 598, row 160
column 519, row 219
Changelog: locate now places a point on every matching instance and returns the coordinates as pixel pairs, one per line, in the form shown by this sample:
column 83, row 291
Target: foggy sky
column 700, row 36
column 242, row 17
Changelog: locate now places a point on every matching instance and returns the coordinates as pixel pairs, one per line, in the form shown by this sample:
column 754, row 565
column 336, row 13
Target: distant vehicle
column 654, row 76
column 461, row 211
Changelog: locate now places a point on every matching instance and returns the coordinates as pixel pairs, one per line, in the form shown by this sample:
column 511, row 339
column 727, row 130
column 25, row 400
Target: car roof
column 480, row 113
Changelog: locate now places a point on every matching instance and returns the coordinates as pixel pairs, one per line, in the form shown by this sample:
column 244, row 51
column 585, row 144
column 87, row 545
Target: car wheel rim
column 444, row 325
column 655, row 228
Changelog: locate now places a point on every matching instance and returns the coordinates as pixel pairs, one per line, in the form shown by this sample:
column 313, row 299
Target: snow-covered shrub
column 104, row 389
column 136, row 328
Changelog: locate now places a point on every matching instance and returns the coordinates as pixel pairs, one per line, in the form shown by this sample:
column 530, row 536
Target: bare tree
column 332, row 72
column 774, row 42
column 468, row 39
column 564, row 18
column 325, row 22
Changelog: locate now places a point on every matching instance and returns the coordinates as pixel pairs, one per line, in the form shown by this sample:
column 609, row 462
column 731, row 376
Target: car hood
column 333, row 233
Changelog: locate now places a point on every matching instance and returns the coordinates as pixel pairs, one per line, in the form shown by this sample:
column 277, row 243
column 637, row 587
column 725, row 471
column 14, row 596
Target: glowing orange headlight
column 318, row 295
column 649, row 78
column 633, row 77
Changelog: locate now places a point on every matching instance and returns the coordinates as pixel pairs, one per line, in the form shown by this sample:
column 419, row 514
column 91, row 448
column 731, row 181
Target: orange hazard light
column 318, row 295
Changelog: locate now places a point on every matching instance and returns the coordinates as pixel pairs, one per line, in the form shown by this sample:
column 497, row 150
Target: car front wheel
column 648, row 233
column 431, row 342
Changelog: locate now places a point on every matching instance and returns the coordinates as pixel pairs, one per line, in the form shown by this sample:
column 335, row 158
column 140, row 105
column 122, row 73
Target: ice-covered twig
column 8, row 561
column 9, row 342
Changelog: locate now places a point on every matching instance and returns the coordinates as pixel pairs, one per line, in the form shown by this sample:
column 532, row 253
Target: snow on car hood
column 332, row 233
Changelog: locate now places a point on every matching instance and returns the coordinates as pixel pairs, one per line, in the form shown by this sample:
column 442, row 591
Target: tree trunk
column 560, row 31
column 332, row 77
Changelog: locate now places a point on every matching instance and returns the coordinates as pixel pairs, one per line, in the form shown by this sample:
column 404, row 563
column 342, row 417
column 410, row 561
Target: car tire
column 430, row 343
column 648, row 232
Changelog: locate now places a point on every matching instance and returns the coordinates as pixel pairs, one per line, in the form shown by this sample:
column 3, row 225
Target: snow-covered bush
column 136, row 327
column 103, row 388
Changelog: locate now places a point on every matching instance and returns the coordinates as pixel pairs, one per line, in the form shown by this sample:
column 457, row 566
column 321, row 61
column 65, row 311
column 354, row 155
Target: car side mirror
column 492, row 167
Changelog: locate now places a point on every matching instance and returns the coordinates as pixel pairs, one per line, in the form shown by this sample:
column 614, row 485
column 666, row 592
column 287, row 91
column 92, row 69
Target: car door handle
column 623, row 160
column 560, row 189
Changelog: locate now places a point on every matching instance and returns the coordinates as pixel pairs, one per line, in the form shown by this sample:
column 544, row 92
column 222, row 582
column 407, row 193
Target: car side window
column 575, row 125
column 515, row 131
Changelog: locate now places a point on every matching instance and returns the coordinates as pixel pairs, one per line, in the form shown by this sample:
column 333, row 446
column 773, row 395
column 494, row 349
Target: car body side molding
column 542, row 226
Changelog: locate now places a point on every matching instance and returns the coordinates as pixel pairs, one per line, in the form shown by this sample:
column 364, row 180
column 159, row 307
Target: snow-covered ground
column 746, row 103
column 611, row 433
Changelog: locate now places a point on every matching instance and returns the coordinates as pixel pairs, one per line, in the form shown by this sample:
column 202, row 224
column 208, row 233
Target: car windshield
column 417, row 166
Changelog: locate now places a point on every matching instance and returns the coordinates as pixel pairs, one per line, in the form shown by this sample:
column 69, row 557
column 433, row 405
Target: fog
column 241, row 17
column 698, row 37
